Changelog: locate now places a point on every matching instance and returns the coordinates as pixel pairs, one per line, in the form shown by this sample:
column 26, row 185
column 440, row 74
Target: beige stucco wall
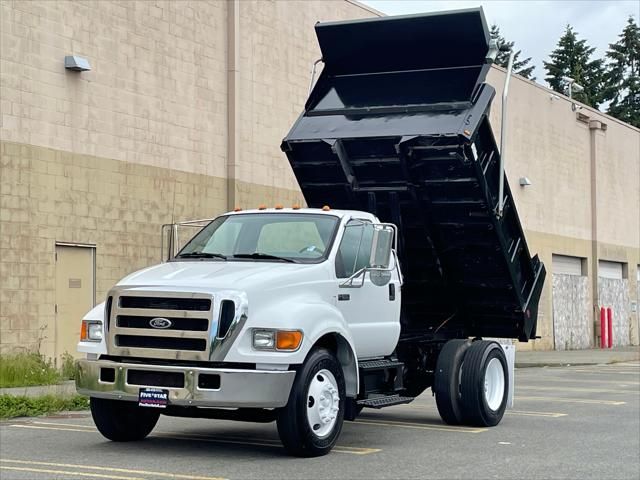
column 106, row 157
column 96, row 157
column 547, row 143
column 156, row 92
column 274, row 78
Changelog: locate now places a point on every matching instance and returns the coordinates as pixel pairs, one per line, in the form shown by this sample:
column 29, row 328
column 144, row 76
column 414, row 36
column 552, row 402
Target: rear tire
column 121, row 421
column 485, row 384
column 309, row 425
column 447, row 381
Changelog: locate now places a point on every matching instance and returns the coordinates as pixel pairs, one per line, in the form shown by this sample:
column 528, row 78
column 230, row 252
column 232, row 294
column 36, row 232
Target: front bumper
column 238, row 388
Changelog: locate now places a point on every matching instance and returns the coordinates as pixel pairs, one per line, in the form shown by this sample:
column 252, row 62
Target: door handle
column 342, row 297
column 392, row 292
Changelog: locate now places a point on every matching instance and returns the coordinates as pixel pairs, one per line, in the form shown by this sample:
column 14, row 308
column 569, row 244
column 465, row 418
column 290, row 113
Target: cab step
column 385, row 401
column 380, row 364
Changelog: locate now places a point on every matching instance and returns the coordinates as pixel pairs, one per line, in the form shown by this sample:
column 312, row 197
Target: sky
column 536, row 25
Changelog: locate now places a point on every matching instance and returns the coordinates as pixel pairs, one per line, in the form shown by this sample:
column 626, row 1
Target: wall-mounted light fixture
column 76, row 63
column 524, row 181
column 572, row 87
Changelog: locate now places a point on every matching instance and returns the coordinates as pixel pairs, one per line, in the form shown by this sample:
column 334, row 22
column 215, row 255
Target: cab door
column 372, row 311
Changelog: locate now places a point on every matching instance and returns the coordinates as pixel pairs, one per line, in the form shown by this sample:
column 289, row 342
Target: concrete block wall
column 49, row 196
column 107, row 156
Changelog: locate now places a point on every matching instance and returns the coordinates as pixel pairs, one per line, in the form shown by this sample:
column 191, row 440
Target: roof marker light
column 278, row 207
column 237, row 209
column 262, row 207
column 296, row 207
column 326, row 208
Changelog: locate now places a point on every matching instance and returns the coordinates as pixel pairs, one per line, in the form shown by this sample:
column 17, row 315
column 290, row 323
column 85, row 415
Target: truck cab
column 408, row 263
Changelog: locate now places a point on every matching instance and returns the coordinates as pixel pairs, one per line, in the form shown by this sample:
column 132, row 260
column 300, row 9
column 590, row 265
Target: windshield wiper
column 265, row 256
column 202, row 255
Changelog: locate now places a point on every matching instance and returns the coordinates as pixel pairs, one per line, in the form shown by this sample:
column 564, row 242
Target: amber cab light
column 288, row 340
column 262, row 207
column 326, row 208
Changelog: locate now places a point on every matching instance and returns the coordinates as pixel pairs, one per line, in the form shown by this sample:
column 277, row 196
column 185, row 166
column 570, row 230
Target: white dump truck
column 410, row 254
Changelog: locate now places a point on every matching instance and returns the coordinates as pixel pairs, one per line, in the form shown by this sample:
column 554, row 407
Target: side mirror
column 381, row 246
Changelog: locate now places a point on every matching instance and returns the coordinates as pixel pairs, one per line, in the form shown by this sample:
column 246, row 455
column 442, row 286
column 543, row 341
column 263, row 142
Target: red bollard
column 603, row 328
column 610, row 326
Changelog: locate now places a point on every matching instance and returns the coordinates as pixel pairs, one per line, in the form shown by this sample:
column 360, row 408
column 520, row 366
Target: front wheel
column 121, row 421
column 311, row 422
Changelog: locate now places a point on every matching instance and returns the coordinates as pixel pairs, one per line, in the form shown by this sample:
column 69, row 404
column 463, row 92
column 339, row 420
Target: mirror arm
column 348, row 283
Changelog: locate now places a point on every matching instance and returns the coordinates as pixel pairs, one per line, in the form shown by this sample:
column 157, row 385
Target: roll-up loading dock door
column 571, row 312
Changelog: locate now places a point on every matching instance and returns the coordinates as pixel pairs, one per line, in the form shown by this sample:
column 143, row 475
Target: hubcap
column 494, row 384
column 323, row 403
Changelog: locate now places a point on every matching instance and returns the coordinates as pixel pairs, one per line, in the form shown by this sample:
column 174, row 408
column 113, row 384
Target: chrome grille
column 188, row 325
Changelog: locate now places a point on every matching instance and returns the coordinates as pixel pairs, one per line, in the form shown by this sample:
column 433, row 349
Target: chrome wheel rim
column 494, row 384
column 323, row 403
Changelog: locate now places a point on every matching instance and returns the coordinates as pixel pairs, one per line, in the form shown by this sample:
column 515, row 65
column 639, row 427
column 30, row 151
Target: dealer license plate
column 153, row 397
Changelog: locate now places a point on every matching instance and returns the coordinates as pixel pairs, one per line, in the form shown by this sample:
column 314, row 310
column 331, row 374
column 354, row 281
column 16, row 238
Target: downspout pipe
column 503, row 134
column 233, row 59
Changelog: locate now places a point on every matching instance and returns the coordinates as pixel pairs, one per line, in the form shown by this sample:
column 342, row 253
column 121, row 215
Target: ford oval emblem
column 160, row 322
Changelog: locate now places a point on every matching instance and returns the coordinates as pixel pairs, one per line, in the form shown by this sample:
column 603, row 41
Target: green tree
column 622, row 78
column 572, row 58
column 521, row 67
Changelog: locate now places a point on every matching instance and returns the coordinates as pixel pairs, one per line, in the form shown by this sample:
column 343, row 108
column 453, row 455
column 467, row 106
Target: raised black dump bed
column 397, row 125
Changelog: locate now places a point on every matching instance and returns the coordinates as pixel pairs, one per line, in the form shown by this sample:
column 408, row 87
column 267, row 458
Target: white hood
column 215, row 275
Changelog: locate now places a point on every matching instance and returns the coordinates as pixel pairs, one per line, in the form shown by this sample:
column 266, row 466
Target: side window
column 355, row 248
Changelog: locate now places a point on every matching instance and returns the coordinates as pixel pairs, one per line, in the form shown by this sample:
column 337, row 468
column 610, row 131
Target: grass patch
column 11, row 406
column 69, row 369
column 27, row 369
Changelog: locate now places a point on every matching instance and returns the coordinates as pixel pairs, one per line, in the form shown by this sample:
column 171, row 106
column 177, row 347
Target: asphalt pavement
column 568, row 422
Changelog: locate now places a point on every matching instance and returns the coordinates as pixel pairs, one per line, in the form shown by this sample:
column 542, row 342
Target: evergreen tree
column 622, row 78
column 521, row 67
column 572, row 58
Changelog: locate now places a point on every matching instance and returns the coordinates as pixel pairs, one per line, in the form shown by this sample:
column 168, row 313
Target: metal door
column 75, row 294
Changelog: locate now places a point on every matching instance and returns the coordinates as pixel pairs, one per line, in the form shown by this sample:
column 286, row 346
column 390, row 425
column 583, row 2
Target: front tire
column 121, row 421
column 311, row 422
column 485, row 384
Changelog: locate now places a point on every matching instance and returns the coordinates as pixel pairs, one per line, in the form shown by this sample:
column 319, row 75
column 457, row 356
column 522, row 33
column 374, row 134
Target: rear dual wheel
column 471, row 383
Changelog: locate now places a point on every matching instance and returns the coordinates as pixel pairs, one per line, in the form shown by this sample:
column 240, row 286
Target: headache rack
column 398, row 125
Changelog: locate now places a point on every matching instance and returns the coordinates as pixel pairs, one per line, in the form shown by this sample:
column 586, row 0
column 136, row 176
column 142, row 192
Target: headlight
column 91, row 331
column 278, row 340
column 264, row 339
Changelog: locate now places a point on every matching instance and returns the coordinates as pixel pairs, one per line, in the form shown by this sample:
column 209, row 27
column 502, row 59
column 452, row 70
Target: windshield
column 292, row 237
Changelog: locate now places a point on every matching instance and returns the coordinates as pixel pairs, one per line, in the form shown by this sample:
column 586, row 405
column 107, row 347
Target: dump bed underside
column 414, row 146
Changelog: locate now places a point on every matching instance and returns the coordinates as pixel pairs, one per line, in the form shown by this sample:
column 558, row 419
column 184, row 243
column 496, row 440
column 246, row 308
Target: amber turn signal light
column 288, row 340
column 91, row 331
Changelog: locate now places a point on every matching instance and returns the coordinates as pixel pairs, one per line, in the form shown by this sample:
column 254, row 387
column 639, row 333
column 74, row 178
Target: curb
column 64, row 389
column 555, row 363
